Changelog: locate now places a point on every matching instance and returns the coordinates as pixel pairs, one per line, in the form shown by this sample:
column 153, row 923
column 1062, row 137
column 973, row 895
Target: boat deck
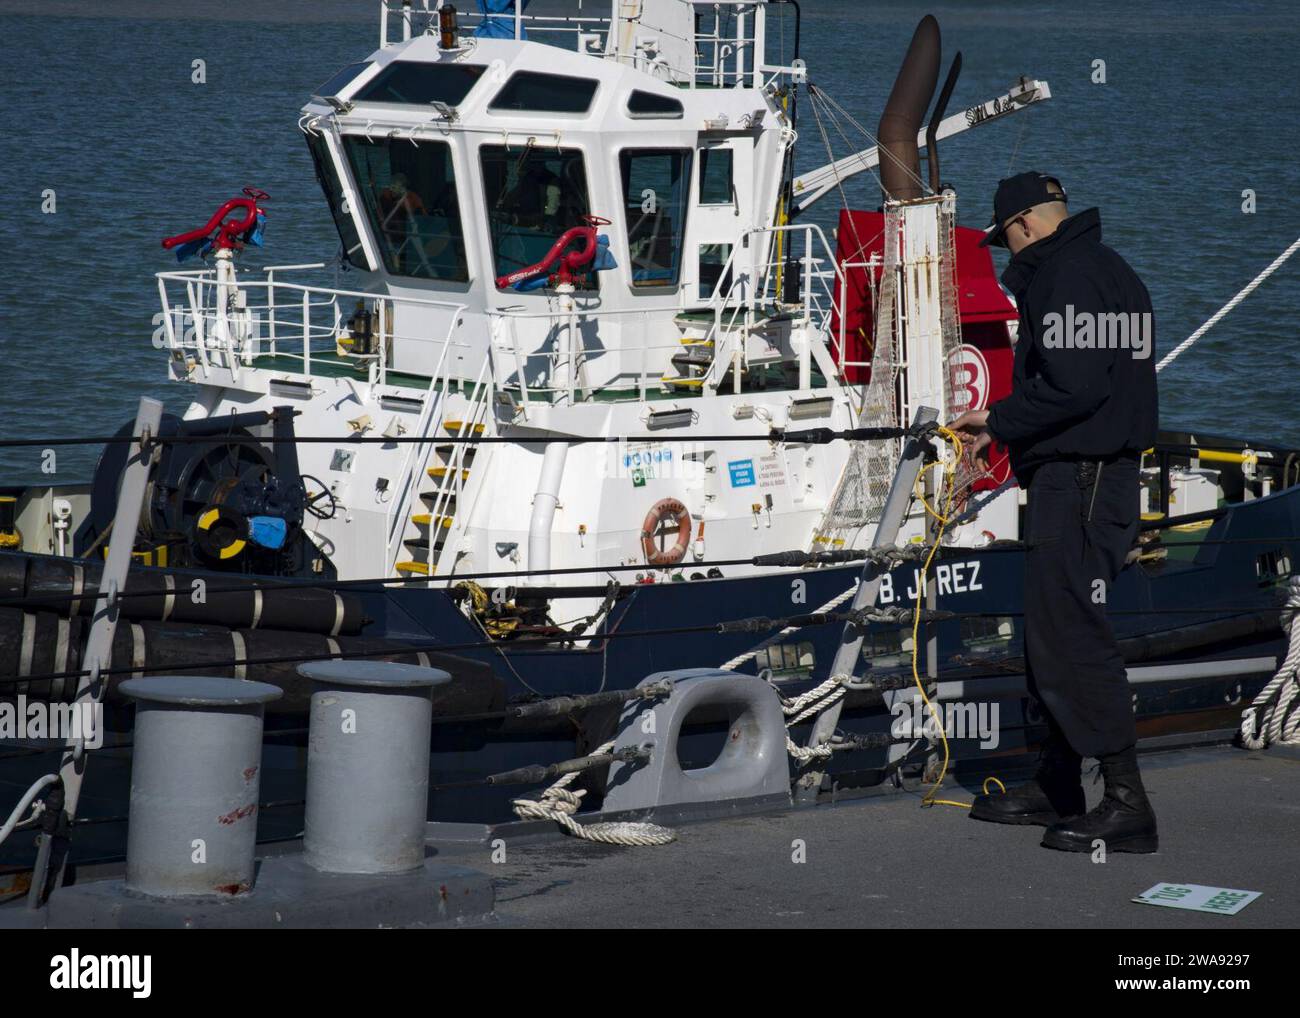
column 1228, row 818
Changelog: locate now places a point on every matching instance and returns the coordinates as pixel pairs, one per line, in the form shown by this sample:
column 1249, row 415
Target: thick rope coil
column 1274, row 716
column 559, row 804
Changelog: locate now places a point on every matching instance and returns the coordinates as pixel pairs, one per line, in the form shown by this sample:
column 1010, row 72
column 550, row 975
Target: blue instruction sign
column 742, row 473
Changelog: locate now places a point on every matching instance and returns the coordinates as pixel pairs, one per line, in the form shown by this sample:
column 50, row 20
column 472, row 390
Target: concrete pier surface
column 1228, row 818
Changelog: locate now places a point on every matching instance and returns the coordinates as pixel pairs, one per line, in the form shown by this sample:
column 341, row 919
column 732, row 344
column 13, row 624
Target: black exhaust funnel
column 900, row 160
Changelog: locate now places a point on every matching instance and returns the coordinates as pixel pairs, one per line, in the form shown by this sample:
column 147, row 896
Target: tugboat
column 580, row 390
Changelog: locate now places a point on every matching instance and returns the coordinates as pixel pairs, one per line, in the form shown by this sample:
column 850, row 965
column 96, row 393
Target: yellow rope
column 949, row 483
column 495, row 626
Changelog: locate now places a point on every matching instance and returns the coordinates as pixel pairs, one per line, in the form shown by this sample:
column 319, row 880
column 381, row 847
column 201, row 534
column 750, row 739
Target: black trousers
column 1081, row 521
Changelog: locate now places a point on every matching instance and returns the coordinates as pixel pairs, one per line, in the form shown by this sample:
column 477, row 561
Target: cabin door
column 723, row 210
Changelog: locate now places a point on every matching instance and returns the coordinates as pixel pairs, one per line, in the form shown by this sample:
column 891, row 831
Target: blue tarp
column 255, row 233
column 602, row 262
column 267, row 531
column 499, row 19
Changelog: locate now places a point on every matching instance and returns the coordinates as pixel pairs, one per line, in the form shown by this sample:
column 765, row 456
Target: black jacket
column 1072, row 396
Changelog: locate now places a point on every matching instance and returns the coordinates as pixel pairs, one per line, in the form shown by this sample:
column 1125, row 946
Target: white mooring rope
column 1214, row 319
column 559, row 804
column 14, row 823
column 830, row 605
column 815, row 700
column 1274, row 717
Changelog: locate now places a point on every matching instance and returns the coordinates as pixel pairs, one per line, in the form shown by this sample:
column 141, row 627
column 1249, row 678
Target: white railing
column 726, row 37
column 753, row 276
column 400, row 21
column 230, row 326
column 728, row 43
column 562, row 371
column 757, row 286
column 839, row 344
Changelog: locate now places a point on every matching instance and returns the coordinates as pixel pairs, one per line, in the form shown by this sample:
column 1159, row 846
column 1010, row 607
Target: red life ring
column 660, row 512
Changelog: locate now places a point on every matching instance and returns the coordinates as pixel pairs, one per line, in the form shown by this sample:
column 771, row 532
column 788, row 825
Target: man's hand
column 972, row 426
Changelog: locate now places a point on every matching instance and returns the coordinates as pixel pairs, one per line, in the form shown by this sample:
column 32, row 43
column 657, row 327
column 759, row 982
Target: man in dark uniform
column 1081, row 411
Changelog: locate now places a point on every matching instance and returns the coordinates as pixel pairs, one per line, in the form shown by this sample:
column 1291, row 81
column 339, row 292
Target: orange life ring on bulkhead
column 664, row 511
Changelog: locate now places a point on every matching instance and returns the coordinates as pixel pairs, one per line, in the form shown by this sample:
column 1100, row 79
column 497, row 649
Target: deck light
column 816, row 406
column 669, row 418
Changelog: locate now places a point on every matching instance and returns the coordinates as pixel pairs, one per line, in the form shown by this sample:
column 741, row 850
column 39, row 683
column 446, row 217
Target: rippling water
column 98, row 105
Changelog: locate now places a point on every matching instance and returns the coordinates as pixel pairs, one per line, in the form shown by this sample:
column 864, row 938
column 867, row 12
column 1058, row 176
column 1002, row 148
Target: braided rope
column 798, row 703
column 1274, row 716
column 558, row 804
column 805, row 753
column 830, row 605
column 1215, row 318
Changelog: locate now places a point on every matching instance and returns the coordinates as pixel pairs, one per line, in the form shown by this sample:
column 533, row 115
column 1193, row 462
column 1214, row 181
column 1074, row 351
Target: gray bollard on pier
column 368, row 765
column 195, row 780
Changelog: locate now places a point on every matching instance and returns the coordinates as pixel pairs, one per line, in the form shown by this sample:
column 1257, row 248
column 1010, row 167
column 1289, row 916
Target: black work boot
column 1123, row 821
column 1054, row 792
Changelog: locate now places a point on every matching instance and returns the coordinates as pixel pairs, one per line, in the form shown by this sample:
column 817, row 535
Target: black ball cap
column 1015, row 195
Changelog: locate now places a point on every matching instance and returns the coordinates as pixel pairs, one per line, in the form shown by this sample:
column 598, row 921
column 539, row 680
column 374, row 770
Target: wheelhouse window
column 353, row 253
column 716, row 186
column 409, row 194
column 533, row 196
column 533, row 92
column 655, row 182
column 416, row 83
column 648, row 106
column 341, row 79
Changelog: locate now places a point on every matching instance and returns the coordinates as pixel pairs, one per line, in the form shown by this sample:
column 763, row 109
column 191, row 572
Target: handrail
column 871, row 265
column 741, row 291
column 817, row 303
column 727, row 49
column 192, row 274
column 760, row 277
column 418, row 452
column 452, row 482
column 257, row 323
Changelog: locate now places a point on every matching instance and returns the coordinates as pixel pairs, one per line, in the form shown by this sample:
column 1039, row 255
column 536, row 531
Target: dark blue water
column 98, row 105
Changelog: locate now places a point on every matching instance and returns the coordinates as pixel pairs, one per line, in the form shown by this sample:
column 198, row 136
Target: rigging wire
column 881, row 150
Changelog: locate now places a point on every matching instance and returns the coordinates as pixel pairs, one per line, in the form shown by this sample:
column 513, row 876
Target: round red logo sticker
column 970, row 378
